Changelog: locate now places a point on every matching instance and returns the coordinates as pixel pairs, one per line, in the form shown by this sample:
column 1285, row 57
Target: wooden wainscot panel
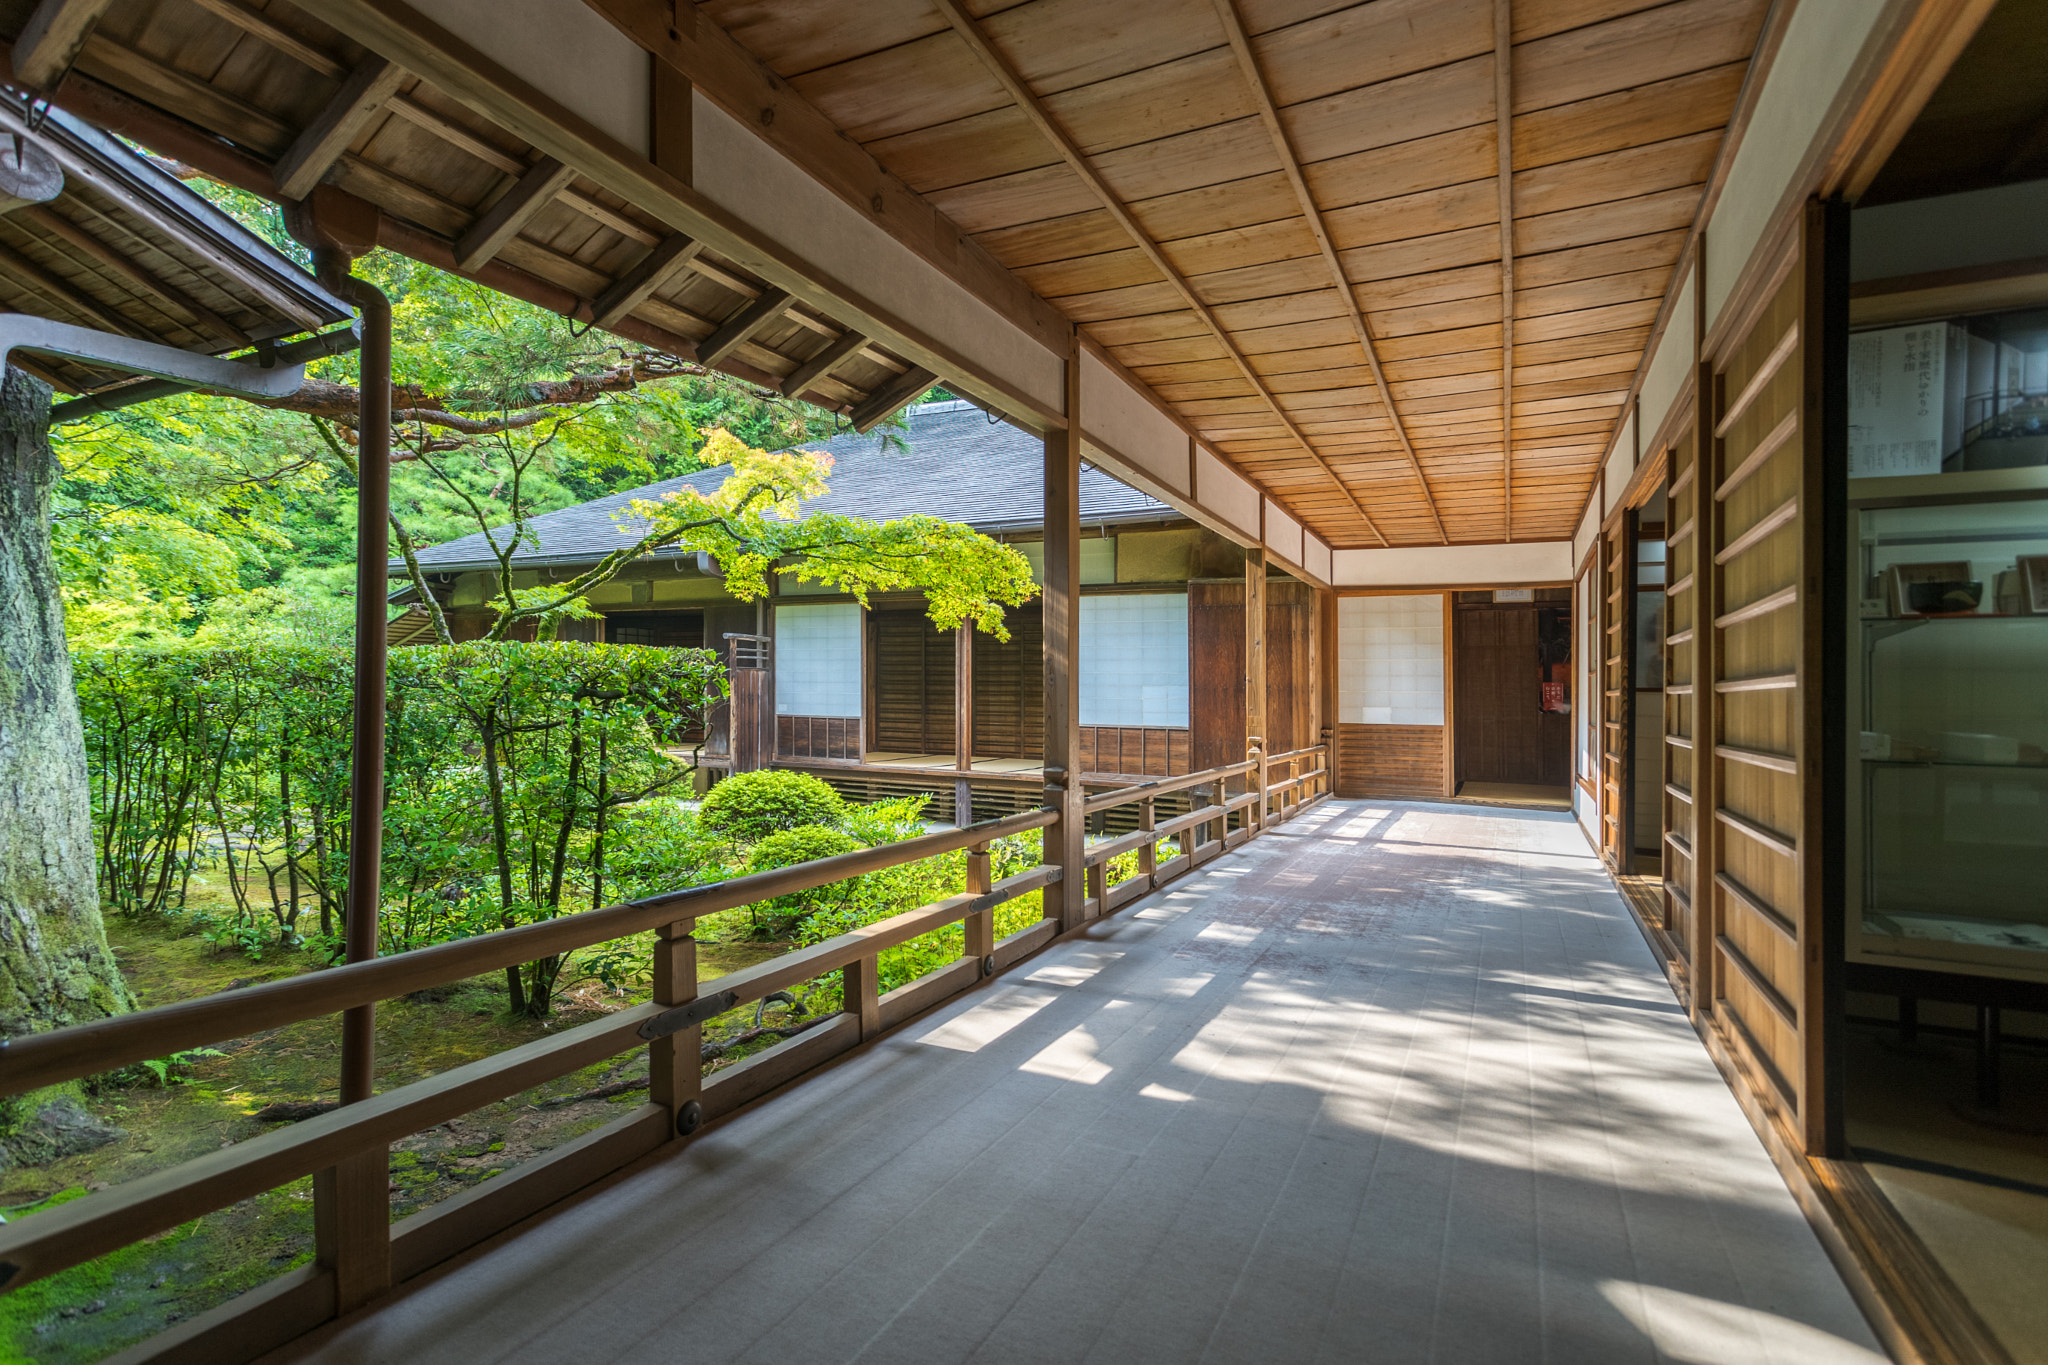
column 817, row 737
column 1135, row 751
column 1390, row 760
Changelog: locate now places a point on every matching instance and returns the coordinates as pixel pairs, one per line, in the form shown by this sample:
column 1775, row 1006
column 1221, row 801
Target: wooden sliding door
column 1616, row 687
column 1762, row 744
column 1679, row 799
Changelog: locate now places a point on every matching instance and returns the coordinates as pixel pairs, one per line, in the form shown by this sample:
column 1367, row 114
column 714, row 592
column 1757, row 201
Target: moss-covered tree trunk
column 55, row 968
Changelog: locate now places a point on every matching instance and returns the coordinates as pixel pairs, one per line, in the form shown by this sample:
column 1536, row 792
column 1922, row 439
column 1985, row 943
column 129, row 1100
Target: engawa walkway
column 1400, row 1083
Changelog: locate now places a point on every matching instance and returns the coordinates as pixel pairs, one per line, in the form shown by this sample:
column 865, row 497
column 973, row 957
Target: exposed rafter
column 741, row 326
column 1311, row 212
column 654, row 270
column 52, row 39
column 1504, row 138
column 363, row 94
column 873, row 410
column 834, row 354
column 1033, row 108
column 57, row 225
column 500, row 223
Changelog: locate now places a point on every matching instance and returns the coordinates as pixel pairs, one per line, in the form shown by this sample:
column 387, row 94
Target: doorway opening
column 1511, row 697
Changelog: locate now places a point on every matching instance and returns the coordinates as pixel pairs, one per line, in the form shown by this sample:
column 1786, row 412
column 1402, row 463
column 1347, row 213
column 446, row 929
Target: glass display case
column 1948, row 782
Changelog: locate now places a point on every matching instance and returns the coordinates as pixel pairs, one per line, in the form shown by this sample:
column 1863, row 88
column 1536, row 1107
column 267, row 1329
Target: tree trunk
column 55, row 968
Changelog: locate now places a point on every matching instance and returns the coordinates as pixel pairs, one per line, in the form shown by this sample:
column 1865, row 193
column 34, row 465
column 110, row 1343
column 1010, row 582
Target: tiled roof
column 960, row 466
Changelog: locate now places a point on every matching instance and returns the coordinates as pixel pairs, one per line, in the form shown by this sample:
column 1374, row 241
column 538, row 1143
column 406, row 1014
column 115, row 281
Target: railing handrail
column 1123, row 796
column 39, row 1059
column 160, row 1200
column 1298, row 753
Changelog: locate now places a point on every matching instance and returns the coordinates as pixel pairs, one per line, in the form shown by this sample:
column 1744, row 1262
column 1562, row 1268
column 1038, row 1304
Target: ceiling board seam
column 1034, row 109
column 1504, row 125
column 1233, row 27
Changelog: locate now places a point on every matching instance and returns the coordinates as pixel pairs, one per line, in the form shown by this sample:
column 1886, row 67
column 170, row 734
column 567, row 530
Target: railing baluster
column 675, row 1064
column 859, row 995
column 1148, row 853
column 980, row 924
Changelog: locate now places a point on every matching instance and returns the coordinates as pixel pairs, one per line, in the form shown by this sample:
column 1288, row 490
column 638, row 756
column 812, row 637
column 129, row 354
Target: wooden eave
column 125, row 248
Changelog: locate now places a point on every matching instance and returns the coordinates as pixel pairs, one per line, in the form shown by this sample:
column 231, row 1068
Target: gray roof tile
column 960, row 466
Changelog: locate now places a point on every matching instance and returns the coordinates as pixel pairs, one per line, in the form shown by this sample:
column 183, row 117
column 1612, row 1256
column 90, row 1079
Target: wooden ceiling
column 1299, row 221
column 1286, row 216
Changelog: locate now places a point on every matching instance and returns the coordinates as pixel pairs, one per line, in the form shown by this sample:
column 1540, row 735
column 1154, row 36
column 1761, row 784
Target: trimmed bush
column 786, row 848
column 748, row 807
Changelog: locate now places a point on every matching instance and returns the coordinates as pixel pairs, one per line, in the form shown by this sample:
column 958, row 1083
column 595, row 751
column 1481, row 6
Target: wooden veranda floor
column 1399, row 1083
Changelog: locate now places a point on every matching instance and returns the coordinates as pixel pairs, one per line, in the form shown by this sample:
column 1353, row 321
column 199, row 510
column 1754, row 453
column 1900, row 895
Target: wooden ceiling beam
column 1034, row 109
column 873, row 410
column 835, row 354
column 52, row 39
column 1504, row 140
column 666, row 261
column 738, row 329
column 1311, row 212
column 500, row 223
column 362, row 96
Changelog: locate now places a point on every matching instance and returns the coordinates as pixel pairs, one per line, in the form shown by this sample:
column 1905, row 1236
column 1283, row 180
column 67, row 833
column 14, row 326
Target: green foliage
column 748, row 807
column 786, row 848
column 505, row 767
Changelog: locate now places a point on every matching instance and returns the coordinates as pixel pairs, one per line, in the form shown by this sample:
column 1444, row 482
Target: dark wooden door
column 1216, row 672
column 1498, row 704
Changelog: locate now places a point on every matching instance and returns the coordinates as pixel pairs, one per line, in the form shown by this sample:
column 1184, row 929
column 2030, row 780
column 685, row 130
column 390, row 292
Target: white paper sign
column 1897, row 400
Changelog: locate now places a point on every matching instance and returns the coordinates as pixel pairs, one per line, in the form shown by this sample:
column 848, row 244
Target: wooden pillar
column 980, row 925
column 670, row 116
column 963, row 723
column 1065, row 838
column 1326, row 685
column 1255, row 744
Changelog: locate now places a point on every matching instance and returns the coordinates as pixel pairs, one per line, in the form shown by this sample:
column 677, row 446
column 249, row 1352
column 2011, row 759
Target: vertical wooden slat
column 1064, row 839
column 963, row 723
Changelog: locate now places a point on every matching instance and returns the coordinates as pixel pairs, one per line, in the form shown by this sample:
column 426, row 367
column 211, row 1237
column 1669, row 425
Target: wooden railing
column 361, row 1253
column 1203, row 832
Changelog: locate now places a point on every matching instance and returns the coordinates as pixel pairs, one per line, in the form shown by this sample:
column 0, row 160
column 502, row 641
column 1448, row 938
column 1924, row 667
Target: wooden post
column 963, row 724
column 859, row 994
column 1326, row 685
column 1065, row 839
column 1148, row 855
column 671, row 141
column 980, row 924
column 675, row 1066
column 351, row 1199
column 1255, row 679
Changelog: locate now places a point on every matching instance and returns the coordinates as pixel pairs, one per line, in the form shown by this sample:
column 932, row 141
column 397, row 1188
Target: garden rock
column 60, row 1128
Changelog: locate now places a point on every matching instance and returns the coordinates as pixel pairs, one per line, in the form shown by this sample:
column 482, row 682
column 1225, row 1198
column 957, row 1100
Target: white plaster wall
column 1621, row 462
column 1535, row 561
column 1115, row 415
column 1223, row 491
column 1589, row 528
column 745, row 176
column 1283, row 534
column 1983, row 227
column 570, row 53
column 1315, row 556
column 1672, row 362
column 1822, row 41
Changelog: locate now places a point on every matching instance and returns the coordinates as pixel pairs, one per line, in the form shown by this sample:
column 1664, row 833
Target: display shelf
column 1955, row 763
column 1969, row 485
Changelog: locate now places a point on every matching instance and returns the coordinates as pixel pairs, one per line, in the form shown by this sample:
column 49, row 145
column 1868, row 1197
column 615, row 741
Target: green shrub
column 777, row 918
column 748, row 807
